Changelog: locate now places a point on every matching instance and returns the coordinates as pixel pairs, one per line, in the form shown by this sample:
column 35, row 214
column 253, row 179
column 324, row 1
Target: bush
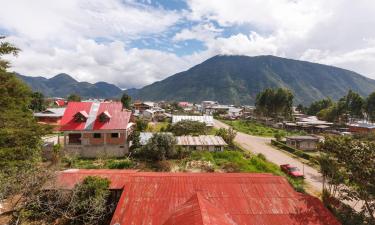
column 161, row 146
column 187, row 127
column 120, row 164
column 261, row 156
column 163, row 166
column 231, row 167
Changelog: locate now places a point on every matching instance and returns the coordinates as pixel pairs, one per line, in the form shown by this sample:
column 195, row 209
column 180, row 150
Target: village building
column 204, row 198
column 361, row 127
column 208, row 120
column 306, row 143
column 142, row 106
column 93, row 129
column 202, row 143
column 51, row 116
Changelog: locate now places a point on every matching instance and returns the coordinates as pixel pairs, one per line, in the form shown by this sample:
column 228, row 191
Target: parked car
column 291, row 170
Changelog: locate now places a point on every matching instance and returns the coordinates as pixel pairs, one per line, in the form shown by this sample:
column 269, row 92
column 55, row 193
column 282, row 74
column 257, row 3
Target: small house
column 202, row 142
column 361, row 127
column 51, row 116
column 306, row 143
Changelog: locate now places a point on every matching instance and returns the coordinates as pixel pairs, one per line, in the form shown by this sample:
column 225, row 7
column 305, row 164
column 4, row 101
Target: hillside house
column 208, row 120
column 51, row 116
column 204, row 198
column 93, row 129
column 306, row 143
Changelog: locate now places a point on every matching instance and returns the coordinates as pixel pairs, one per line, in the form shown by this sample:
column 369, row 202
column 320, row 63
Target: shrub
column 261, row 156
column 163, row 166
column 231, row 167
column 187, row 127
column 161, row 146
column 120, row 164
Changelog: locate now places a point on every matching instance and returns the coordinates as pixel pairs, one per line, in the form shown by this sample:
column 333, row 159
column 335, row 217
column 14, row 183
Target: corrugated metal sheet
column 207, row 198
column 201, row 140
column 119, row 118
column 208, row 120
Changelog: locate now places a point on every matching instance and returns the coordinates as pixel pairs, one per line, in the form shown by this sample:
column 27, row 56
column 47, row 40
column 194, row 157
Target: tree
column 161, row 146
column 74, row 98
column 141, row 125
column 5, row 49
column 126, row 101
column 228, row 135
column 187, row 127
column 37, row 102
column 274, row 103
column 317, row 106
column 86, row 203
column 370, row 107
column 354, row 104
column 300, row 108
column 20, row 134
column 350, row 162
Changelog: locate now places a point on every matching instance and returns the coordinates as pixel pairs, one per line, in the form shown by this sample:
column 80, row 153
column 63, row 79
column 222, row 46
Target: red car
column 291, row 170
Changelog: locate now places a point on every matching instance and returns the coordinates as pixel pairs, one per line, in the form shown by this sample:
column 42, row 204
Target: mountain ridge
column 234, row 79
column 62, row 85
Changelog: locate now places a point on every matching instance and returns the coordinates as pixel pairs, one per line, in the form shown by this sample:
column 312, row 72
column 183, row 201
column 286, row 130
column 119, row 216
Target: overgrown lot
column 257, row 129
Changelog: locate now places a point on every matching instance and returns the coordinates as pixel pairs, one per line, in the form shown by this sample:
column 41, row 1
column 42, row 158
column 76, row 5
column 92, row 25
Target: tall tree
column 74, row 98
column 275, row 103
column 126, row 101
column 20, row 134
column 370, row 107
column 37, row 102
column 317, row 106
column 354, row 104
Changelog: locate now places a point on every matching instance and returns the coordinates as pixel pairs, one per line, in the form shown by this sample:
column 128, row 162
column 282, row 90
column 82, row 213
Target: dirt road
column 261, row 145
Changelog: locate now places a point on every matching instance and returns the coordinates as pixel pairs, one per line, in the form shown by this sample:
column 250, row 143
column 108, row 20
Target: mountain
column 237, row 80
column 63, row 85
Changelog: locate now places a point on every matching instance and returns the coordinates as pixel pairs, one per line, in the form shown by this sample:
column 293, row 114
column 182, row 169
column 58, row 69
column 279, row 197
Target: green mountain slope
column 237, row 80
column 63, row 85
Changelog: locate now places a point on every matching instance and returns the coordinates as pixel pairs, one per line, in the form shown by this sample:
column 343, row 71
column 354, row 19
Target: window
column 115, row 135
column 74, row 139
column 217, row 148
column 193, row 147
column 97, row 135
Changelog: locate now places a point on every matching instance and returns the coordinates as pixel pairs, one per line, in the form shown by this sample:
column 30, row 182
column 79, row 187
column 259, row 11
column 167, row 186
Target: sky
column 132, row 43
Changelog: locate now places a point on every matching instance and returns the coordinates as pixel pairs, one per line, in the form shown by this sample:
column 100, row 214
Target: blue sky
column 133, row 43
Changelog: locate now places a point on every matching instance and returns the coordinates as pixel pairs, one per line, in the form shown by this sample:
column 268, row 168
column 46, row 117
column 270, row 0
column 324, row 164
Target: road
column 261, row 145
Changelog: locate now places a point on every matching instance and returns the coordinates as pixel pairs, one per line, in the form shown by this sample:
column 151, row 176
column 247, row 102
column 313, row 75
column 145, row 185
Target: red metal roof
column 119, row 118
column 206, row 198
column 60, row 102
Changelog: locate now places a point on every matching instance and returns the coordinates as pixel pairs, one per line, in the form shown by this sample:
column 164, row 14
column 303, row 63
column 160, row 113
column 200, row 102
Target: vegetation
column 141, row 125
column 228, row 135
column 87, row 203
column 187, row 127
column 257, row 129
column 37, row 102
column 319, row 105
column 160, row 147
column 100, row 163
column 20, row 134
column 126, row 101
column 274, row 103
column 74, row 98
column 369, row 107
column 348, row 171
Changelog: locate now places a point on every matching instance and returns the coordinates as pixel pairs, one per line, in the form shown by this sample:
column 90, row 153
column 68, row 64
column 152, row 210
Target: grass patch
column 157, row 126
column 257, row 129
column 99, row 163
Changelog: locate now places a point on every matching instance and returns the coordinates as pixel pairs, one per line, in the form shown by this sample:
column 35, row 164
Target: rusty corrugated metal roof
column 201, row 140
column 223, row 198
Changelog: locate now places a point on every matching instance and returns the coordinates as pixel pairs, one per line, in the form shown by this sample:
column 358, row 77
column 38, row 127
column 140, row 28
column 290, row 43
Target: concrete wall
column 203, row 148
column 105, row 146
column 303, row 144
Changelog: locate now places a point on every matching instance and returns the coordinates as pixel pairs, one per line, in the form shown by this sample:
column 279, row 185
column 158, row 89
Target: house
column 202, row 143
column 51, row 116
column 60, row 102
column 235, row 112
column 208, row 120
column 361, row 127
column 184, row 104
column 93, row 129
column 208, row 104
column 142, row 106
column 204, row 198
column 154, row 113
column 307, row 143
